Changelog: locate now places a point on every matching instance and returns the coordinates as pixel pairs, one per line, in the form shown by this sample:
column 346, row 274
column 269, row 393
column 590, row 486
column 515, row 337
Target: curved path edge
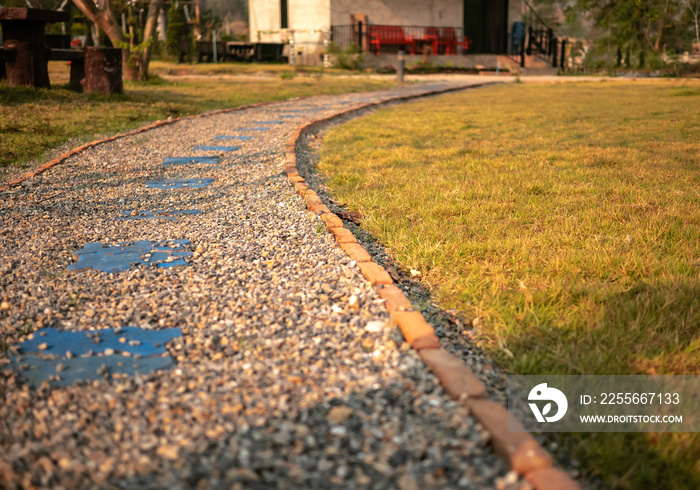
column 79, row 149
column 518, row 448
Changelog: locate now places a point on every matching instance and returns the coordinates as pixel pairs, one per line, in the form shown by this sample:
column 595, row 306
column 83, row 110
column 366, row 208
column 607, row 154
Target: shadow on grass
column 651, row 328
column 632, row 461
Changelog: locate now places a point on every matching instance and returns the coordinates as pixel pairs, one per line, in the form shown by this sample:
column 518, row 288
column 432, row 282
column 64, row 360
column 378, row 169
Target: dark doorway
column 486, row 24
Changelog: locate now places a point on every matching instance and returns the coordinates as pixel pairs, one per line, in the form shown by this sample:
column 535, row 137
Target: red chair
column 466, row 44
column 432, row 35
column 379, row 35
column 449, row 40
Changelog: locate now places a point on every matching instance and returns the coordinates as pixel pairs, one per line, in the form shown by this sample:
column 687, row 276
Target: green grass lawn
column 566, row 217
column 271, row 69
column 33, row 121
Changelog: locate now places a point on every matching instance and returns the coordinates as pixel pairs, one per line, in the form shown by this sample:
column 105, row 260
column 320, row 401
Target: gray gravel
column 289, row 372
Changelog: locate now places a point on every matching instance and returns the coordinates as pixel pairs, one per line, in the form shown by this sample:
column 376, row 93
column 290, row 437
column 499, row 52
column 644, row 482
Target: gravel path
column 289, row 373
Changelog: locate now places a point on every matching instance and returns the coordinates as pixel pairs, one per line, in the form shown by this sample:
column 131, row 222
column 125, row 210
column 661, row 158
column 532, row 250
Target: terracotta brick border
column 519, row 449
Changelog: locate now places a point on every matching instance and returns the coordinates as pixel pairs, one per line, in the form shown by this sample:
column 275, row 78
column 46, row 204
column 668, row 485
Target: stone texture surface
column 455, row 377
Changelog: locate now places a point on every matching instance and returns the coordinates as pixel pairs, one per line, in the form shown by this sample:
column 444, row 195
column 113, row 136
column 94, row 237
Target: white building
column 310, row 24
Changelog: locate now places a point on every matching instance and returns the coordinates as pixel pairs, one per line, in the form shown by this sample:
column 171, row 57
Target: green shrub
column 349, row 58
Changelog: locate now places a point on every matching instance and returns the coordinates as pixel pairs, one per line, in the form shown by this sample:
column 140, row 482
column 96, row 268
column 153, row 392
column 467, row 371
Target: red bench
column 432, row 35
column 383, row 35
column 450, row 41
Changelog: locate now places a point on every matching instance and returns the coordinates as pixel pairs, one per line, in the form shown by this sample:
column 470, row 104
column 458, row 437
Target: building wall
column 263, row 15
column 311, row 22
column 311, row 19
column 516, row 9
column 438, row 13
column 308, row 22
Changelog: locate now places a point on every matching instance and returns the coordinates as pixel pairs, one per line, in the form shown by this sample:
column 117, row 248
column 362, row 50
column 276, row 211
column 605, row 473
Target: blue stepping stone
column 145, row 353
column 137, row 341
column 123, row 256
column 289, row 116
column 178, row 183
column 128, row 215
column 252, row 129
column 241, row 138
column 188, row 160
column 216, row 148
column 267, row 122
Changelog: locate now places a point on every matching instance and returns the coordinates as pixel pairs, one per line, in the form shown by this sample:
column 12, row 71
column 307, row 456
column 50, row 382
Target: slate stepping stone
column 130, row 214
column 124, row 351
column 216, row 148
column 289, row 116
column 227, row 137
column 137, row 341
column 123, row 256
column 267, row 122
column 189, row 160
column 252, row 129
column 178, row 183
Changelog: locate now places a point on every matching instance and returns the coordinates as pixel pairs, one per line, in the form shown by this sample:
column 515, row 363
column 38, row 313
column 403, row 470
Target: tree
column 149, row 34
column 694, row 7
column 637, row 25
column 134, row 65
column 177, row 34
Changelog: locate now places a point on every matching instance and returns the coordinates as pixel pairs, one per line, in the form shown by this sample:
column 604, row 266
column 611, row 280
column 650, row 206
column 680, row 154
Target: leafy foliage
column 349, row 58
column 177, row 32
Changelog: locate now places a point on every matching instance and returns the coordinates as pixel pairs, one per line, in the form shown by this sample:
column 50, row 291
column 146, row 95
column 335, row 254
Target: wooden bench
column 393, row 35
column 7, row 55
column 77, row 64
column 23, row 33
column 240, row 51
column 205, row 51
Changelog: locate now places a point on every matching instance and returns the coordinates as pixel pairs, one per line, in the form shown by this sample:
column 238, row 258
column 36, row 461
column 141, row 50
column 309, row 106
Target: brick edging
column 518, row 448
column 79, row 149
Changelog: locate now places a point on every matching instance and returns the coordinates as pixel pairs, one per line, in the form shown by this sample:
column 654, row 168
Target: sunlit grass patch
column 566, row 217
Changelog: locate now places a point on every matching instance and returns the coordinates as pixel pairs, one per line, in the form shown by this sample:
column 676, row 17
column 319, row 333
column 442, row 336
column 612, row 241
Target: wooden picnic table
column 26, row 55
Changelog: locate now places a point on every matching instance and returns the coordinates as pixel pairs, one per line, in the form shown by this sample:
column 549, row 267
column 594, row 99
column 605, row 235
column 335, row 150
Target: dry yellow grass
column 566, row 217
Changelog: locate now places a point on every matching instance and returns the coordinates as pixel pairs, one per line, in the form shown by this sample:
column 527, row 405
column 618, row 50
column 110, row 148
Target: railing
column 415, row 39
column 542, row 42
column 531, row 38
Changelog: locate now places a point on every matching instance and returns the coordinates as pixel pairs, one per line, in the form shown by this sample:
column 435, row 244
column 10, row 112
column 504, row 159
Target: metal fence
column 530, row 38
column 415, row 39
column 542, row 41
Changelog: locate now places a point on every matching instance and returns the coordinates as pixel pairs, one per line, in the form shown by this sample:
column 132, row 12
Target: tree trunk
column 31, row 55
column 662, row 21
column 130, row 67
column 103, row 74
column 149, row 34
column 104, row 18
